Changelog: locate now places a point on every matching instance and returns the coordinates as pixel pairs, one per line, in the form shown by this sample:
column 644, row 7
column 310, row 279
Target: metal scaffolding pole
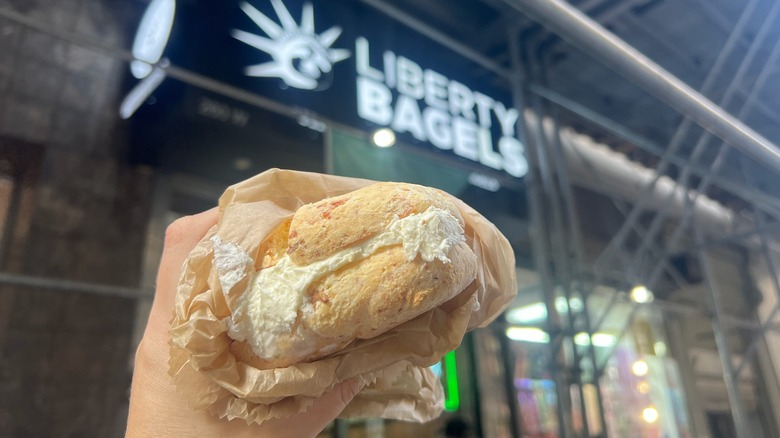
column 772, row 270
column 681, row 132
column 541, row 252
column 738, row 410
column 744, row 111
column 704, row 139
column 728, row 240
column 559, row 235
column 575, row 240
column 541, row 248
column 586, row 34
column 558, row 253
column 767, row 203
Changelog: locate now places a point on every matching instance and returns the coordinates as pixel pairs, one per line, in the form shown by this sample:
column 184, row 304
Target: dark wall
column 79, row 213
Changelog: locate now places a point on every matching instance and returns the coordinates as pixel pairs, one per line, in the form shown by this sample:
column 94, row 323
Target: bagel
column 346, row 268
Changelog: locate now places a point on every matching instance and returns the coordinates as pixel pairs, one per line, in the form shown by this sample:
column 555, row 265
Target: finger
column 181, row 237
column 324, row 410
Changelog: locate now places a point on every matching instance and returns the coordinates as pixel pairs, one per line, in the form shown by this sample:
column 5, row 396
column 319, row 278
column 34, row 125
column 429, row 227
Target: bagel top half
column 350, row 267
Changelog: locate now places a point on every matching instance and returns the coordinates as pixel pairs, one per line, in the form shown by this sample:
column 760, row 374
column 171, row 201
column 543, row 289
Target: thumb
column 324, row 410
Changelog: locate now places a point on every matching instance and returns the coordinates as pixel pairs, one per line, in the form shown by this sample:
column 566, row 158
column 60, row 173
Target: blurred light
column 312, row 123
column 384, row 138
column 242, row 163
column 598, row 339
column 641, row 294
column 650, row 415
column 527, row 334
column 660, row 348
column 452, row 396
column 562, row 307
column 602, row 340
column 538, row 311
column 527, row 314
column 643, row 387
column 152, row 36
column 640, row 368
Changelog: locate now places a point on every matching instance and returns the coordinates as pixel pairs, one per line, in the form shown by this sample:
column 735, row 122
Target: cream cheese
column 275, row 295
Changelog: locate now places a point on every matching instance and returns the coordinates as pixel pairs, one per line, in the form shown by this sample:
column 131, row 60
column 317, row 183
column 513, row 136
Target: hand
column 156, row 409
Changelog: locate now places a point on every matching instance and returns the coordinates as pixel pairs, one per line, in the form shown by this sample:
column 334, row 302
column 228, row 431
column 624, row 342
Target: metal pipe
column 760, row 333
column 508, row 361
column 650, row 283
column 763, row 76
column 575, row 240
column 739, row 76
column 679, row 134
column 767, row 203
column 681, row 226
column 771, row 267
column 541, row 248
column 738, row 410
column 725, row 25
column 583, row 32
column 559, row 240
column 728, row 240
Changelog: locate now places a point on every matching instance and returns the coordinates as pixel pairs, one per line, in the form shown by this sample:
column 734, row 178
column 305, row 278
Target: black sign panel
column 345, row 61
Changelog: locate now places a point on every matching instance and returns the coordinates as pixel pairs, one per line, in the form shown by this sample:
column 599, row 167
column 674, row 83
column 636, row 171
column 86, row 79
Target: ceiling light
column 384, row 138
column 527, row 334
column 641, row 294
column 643, row 387
column 562, row 306
column 650, row 415
column 527, row 314
column 598, row 339
column 640, row 368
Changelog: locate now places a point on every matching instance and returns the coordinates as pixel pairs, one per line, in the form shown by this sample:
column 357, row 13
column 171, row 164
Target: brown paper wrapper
column 394, row 365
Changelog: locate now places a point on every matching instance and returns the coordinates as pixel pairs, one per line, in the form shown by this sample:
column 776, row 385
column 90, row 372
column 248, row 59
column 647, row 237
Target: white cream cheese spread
column 270, row 306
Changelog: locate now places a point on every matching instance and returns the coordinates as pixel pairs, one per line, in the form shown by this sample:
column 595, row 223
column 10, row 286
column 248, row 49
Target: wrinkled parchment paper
column 394, row 365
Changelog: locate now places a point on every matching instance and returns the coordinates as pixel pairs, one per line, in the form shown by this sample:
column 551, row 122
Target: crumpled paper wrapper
column 394, row 365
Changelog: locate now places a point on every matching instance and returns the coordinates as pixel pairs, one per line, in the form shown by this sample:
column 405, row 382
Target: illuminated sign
column 433, row 108
column 399, row 94
column 451, row 387
column 152, row 36
column 150, row 42
column 344, row 61
column 447, row 371
column 301, row 58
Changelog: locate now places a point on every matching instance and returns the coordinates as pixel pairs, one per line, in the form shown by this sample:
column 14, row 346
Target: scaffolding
column 558, row 238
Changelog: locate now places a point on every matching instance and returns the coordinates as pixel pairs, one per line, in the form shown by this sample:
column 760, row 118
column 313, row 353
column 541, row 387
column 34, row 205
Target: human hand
column 156, row 409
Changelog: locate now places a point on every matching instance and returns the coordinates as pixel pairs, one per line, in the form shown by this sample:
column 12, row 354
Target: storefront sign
column 346, row 62
column 400, row 93
column 433, row 108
